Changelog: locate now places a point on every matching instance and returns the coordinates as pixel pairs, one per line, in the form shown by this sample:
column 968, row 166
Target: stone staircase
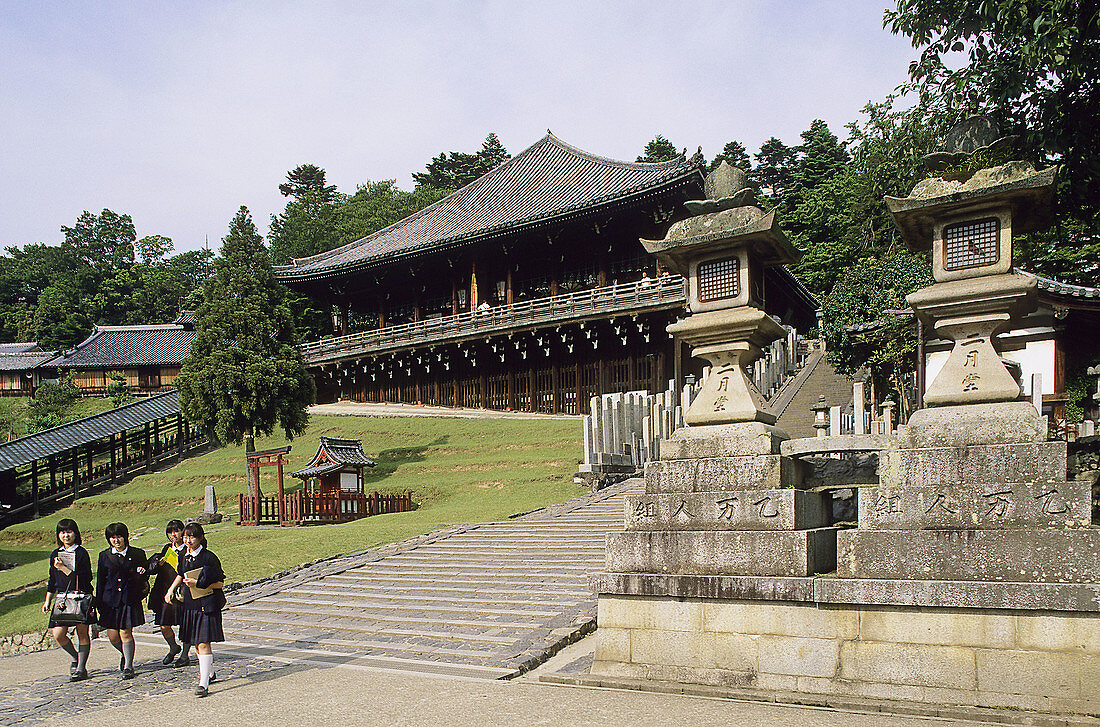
column 488, row 600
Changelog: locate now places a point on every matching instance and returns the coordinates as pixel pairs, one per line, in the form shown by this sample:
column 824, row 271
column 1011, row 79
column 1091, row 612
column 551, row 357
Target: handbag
column 72, row 607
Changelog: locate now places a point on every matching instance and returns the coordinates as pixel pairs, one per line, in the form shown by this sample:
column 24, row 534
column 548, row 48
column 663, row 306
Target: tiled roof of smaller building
column 59, row 439
column 164, row 344
column 23, row 361
column 342, row 451
column 547, row 180
column 24, row 347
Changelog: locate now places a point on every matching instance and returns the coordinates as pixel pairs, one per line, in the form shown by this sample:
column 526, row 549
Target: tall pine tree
column 245, row 373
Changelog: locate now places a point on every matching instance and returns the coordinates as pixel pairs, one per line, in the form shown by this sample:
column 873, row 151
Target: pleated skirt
column 126, row 616
column 197, row 627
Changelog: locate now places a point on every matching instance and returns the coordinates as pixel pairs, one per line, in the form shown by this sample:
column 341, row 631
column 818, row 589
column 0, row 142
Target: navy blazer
column 117, row 581
column 211, row 573
column 79, row 580
column 165, row 575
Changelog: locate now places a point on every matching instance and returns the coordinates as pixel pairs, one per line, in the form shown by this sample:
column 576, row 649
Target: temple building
column 527, row 289
column 19, row 362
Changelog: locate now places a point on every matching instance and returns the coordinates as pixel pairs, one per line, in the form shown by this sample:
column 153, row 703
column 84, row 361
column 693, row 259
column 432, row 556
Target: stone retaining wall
column 1038, row 660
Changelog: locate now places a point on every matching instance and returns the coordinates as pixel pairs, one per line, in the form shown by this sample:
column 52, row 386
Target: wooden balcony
column 621, row 299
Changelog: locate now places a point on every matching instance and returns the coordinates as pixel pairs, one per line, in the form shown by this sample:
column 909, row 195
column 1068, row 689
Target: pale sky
column 178, row 113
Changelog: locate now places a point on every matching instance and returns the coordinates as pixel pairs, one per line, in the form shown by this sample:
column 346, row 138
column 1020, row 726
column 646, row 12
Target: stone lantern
column 722, row 251
column 968, row 218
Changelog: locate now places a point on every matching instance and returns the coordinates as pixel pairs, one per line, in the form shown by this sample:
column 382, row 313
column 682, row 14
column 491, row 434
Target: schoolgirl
column 200, row 616
column 70, row 556
column 164, row 613
column 120, row 582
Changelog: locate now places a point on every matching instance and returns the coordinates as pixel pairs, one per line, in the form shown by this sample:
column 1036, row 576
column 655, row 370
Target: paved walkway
column 269, row 693
column 364, row 409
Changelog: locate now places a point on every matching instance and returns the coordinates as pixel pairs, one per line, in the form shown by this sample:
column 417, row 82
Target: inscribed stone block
column 738, row 510
column 986, row 506
column 975, row 464
column 723, row 440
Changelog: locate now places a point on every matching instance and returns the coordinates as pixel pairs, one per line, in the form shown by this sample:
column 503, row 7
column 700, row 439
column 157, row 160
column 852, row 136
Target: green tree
column 245, row 374
column 734, row 154
column 821, row 156
column 51, row 402
column 774, row 170
column 117, row 390
column 308, row 224
column 153, row 249
column 865, row 293
column 453, row 170
column 659, row 149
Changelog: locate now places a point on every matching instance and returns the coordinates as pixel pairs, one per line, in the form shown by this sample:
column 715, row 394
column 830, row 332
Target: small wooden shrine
column 337, row 466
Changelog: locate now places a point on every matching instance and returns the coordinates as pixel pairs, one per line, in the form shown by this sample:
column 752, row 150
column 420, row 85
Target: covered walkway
column 56, row 466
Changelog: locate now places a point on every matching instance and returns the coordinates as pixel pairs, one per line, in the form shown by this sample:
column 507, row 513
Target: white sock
column 206, row 668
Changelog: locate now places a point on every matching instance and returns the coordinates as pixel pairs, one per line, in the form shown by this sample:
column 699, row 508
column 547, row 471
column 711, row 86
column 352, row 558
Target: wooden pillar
column 345, row 312
column 473, row 286
column 509, row 297
column 416, row 312
column 658, row 372
column 631, row 371
column 601, row 274
column 554, row 282
column 123, row 448
column 578, row 367
column 34, row 485
column 148, row 449
column 53, row 474
column 510, row 379
column 454, row 297
column 179, row 437
column 89, row 453
column 601, row 376
column 677, row 366
column 282, row 509
column 381, row 315
column 76, row 469
column 555, row 386
column 533, row 401
column 156, row 435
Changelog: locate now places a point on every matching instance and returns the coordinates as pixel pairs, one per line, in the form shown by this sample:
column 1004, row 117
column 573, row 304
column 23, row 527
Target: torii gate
column 256, row 460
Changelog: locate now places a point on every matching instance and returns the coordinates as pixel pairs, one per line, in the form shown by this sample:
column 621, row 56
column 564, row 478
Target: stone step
column 360, row 603
column 307, row 593
column 318, row 635
column 558, row 562
column 378, row 617
column 475, row 588
column 450, row 583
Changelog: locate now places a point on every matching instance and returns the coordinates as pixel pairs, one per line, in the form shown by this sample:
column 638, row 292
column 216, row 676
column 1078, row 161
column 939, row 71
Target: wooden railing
column 303, row 508
column 623, row 297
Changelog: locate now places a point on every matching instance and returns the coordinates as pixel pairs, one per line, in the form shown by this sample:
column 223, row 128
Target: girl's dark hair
column 172, row 526
column 67, row 524
column 117, row 529
column 195, row 530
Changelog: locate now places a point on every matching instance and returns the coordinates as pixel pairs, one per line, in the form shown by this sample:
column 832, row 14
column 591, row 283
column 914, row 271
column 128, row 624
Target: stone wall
column 1039, row 660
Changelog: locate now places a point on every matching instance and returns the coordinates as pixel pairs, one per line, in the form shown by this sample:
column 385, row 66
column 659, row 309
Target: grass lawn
column 459, row 470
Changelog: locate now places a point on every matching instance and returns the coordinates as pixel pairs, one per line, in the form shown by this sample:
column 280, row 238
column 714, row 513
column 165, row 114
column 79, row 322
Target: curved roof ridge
column 677, row 161
column 1058, row 286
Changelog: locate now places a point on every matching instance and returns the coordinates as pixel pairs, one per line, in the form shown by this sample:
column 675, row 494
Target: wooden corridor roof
column 97, row 426
column 546, row 181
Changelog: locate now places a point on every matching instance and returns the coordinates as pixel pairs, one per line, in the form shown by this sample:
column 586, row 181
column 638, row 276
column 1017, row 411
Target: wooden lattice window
column 971, row 244
column 719, row 279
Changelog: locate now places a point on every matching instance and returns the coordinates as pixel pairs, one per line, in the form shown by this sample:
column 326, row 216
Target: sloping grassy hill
column 459, row 470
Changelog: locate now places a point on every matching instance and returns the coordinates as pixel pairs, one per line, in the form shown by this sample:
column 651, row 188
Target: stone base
column 790, row 553
column 711, row 474
column 1011, row 422
column 975, row 464
column 723, row 440
column 737, row 510
column 1044, row 556
column 1035, row 660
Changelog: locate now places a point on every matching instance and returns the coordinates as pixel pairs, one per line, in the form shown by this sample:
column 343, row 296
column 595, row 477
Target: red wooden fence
column 303, row 508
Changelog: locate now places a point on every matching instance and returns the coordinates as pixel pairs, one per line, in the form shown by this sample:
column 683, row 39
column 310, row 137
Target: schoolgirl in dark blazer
column 120, row 582
column 200, row 618
column 80, row 579
column 164, row 613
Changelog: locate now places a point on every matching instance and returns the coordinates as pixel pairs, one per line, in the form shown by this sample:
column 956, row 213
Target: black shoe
column 128, row 673
column 79, row 675
column 167, row 661
column 201, row 691
column 182, row 661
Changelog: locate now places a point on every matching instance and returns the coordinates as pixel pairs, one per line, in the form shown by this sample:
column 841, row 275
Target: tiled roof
column 23, row 361
column 317, row 471
column 25, row 347
column 1057, row 288
column 58, row 439
column 343, row 451
column 547, row 180
column 157, row 345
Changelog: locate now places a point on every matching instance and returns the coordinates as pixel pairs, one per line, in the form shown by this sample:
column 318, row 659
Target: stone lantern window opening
column 971, row 244
column 719, row 279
